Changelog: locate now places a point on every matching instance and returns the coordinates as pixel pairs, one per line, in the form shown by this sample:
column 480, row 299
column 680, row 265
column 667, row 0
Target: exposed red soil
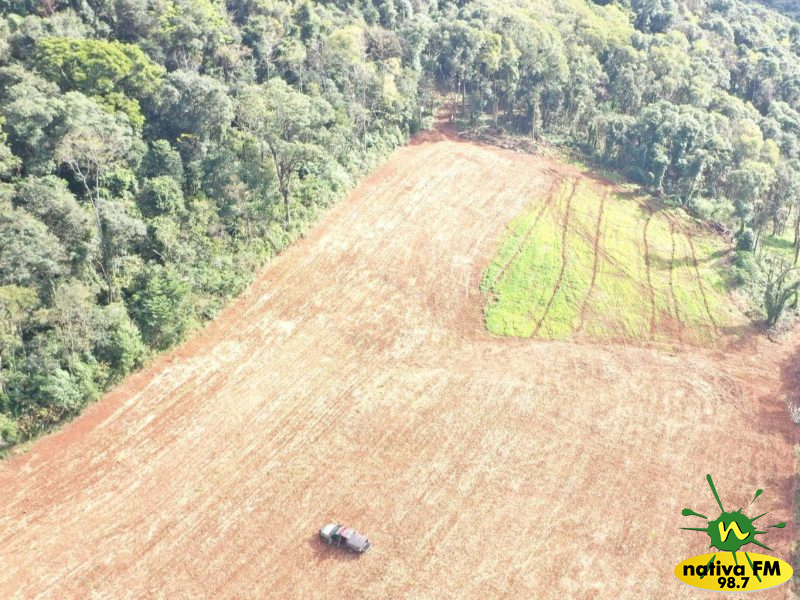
column 354, row 381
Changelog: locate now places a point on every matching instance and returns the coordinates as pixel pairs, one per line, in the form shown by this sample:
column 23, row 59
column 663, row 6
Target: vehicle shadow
column 324, row 552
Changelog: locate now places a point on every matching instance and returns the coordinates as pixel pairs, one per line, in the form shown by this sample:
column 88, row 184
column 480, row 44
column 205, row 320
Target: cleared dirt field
column 354, row 381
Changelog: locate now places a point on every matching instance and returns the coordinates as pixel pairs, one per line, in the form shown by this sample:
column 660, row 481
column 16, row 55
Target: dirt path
column 354, row 381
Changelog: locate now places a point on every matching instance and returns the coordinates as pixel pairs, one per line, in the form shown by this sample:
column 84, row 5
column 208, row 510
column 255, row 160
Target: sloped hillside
column 354, row 382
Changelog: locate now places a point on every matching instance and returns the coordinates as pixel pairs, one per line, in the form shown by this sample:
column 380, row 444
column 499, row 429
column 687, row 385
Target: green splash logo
column 729, row 532
column 742, row 529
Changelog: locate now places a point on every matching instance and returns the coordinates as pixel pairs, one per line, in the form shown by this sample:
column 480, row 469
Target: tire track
column 545, row 205
column 595, row 263
column 616, row 264
column 613, row 262
column 651, row 290
column 672, row 275
column 564, row 233
column 689, row 236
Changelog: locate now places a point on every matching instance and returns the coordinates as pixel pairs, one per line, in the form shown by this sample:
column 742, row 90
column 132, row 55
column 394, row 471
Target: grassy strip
column 647, row 282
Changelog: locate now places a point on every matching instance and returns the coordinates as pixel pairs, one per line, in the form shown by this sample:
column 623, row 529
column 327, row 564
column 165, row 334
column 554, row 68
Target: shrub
column 162, row 160
column 744, row 240
column 119, row 343
column 161, row 195
column 9, row 433
column 161, row 307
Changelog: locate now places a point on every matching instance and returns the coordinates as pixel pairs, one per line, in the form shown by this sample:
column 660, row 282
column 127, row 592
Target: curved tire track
column 564, row 232
column 595, row 259
column 672, row 275
column 700, row 280
column 545, row 205
column 650, row 289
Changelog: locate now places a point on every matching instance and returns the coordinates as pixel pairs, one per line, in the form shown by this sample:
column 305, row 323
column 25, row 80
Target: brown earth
column 354, row 382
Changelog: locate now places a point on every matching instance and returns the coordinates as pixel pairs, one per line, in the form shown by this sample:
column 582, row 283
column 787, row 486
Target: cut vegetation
column 591, row 260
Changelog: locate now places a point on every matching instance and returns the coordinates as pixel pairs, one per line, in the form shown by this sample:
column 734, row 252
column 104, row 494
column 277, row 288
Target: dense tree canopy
column 152, row 154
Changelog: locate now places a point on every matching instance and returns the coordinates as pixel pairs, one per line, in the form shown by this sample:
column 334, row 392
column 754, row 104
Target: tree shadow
column 772, row 417
column 770, row 410
column 790, row 393
column 780, row 495
column 427, row 136
column 323, row 552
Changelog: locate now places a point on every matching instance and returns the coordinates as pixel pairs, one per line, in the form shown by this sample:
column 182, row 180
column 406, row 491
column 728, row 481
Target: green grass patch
column 782, row 245
column 649, row 275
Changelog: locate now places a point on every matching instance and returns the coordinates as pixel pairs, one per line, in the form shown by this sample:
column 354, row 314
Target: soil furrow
column 352, row 382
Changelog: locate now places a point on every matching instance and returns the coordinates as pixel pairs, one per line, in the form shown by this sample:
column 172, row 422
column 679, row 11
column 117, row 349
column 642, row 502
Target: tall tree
column 289, row 126
column 93, row 145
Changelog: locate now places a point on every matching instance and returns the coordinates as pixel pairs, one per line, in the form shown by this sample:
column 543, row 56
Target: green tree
column 162, row 160
column 17, row 305
column 97, row 67
column 289, row 125
column 782, row 283
column 191, row 32
column 161, row 195
column 30, row 256
column 159, row 306
column 31, row 109
column 193, row 104
column 118, row 75
column 93, row 146
column 49, row 200
column 117, row 342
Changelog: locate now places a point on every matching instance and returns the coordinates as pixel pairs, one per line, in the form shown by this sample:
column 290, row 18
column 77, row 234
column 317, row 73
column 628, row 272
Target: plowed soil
column 354, row 382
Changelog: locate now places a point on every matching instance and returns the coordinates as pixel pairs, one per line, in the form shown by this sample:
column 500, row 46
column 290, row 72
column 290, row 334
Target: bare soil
column 354, row 382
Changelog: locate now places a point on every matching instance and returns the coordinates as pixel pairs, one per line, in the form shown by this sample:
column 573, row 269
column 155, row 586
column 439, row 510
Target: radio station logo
column 725, row 570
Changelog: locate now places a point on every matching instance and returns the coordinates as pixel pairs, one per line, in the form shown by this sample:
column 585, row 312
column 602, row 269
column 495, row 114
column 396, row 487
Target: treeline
column 788, row 7
column 697, row 100
column 153, row 153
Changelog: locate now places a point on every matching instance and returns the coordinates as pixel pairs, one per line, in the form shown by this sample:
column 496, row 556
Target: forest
column 154, row 153
column 787, row 7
